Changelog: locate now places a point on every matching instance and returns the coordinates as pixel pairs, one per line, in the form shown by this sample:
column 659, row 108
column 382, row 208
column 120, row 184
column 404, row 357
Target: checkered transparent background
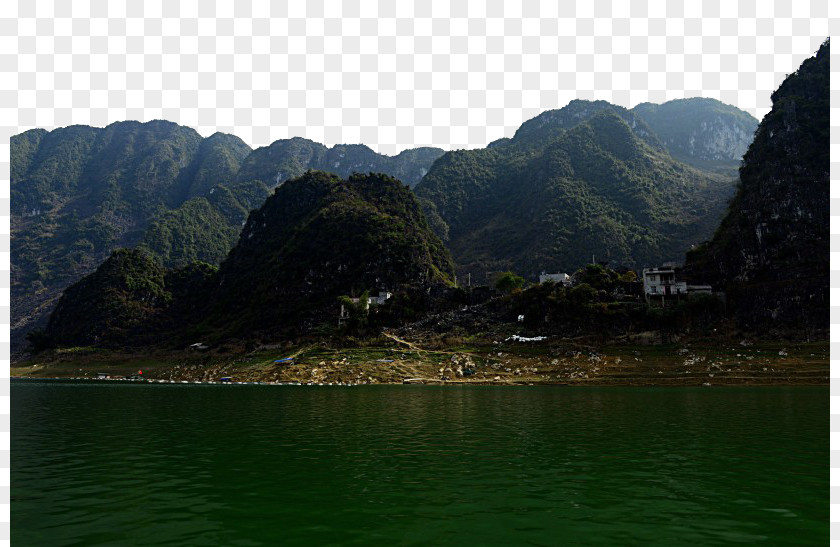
column 392, row 75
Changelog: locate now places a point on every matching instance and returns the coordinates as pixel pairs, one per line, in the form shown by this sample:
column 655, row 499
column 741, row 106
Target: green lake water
column 101, row 463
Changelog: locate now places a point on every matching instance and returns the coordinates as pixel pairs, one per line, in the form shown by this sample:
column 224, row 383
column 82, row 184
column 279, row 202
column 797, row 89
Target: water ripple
column 117, row 464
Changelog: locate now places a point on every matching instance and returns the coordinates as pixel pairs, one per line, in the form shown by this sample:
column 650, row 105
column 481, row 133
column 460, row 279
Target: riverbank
column 396, row 361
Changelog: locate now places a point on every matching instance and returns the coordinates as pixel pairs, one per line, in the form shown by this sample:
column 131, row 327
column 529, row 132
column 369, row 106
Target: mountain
column 120, row 295
column 589, row 179
column 319, row 237
column 704, row 133
column 130, row 296
column 553, row 123
column 288, row 158
column 770, row 252
column 79, row 192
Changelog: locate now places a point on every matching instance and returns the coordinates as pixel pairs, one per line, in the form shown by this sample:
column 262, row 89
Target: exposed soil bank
column 393, row 361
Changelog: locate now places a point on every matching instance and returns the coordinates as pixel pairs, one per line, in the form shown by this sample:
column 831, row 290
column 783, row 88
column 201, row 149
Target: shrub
column 508, row 282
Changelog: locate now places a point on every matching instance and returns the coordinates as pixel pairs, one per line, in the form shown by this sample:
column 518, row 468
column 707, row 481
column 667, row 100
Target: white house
column 555, row 278
column 379, row 300
column 662, row 281
column 383, row 296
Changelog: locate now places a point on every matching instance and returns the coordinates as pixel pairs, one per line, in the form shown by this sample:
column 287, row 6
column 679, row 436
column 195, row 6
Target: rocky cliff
column 704, row 133
column 770, row 253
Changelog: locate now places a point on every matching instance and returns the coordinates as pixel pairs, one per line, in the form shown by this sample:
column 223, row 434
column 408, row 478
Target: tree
column 597, row 276
column 357, row 311
column 629, row 277
column 582, row 294
column 508, row 282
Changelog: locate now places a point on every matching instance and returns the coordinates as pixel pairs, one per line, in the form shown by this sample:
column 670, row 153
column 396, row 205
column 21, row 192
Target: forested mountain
column 79, row 192
column 770, row 252
column 130, row 297
column 206, row 227
column 288, row 158
column 704, row 133
column 588, row 179
column 316, row 238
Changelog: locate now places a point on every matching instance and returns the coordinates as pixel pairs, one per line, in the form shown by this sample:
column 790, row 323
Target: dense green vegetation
column 570, row 185
column 591, row 179
column 770, row 251
column 129, row 299
column 319, row 237
column 509, row 281
column 204, row 228
column 704, row 133
column 120, row 296
column 80, row 192
column 551, row 124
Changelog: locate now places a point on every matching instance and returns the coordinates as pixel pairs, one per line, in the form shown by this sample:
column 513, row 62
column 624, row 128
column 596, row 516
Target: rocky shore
column 511, row 362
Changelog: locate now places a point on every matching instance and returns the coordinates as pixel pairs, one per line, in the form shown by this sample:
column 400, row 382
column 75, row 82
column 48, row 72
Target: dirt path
column 418, row 349
column 407, row 343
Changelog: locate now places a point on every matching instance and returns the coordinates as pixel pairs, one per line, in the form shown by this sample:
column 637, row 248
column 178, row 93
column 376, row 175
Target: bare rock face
column 704, row 133
column 770, row 253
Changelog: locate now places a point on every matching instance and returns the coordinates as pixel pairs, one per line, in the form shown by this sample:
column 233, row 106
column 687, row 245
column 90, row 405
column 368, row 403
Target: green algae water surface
column 126, row 464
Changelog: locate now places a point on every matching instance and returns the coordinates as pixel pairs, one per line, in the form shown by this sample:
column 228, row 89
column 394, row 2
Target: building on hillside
column 663, row 283
column 378, row 300
column 556, row 278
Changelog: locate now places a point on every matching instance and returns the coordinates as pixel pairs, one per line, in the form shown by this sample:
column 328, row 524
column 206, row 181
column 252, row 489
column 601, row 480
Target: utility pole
column 469, row 279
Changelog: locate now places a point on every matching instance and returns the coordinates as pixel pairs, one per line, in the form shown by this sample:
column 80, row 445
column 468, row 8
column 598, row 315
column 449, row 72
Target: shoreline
column 67, row 379
column 558, row 363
